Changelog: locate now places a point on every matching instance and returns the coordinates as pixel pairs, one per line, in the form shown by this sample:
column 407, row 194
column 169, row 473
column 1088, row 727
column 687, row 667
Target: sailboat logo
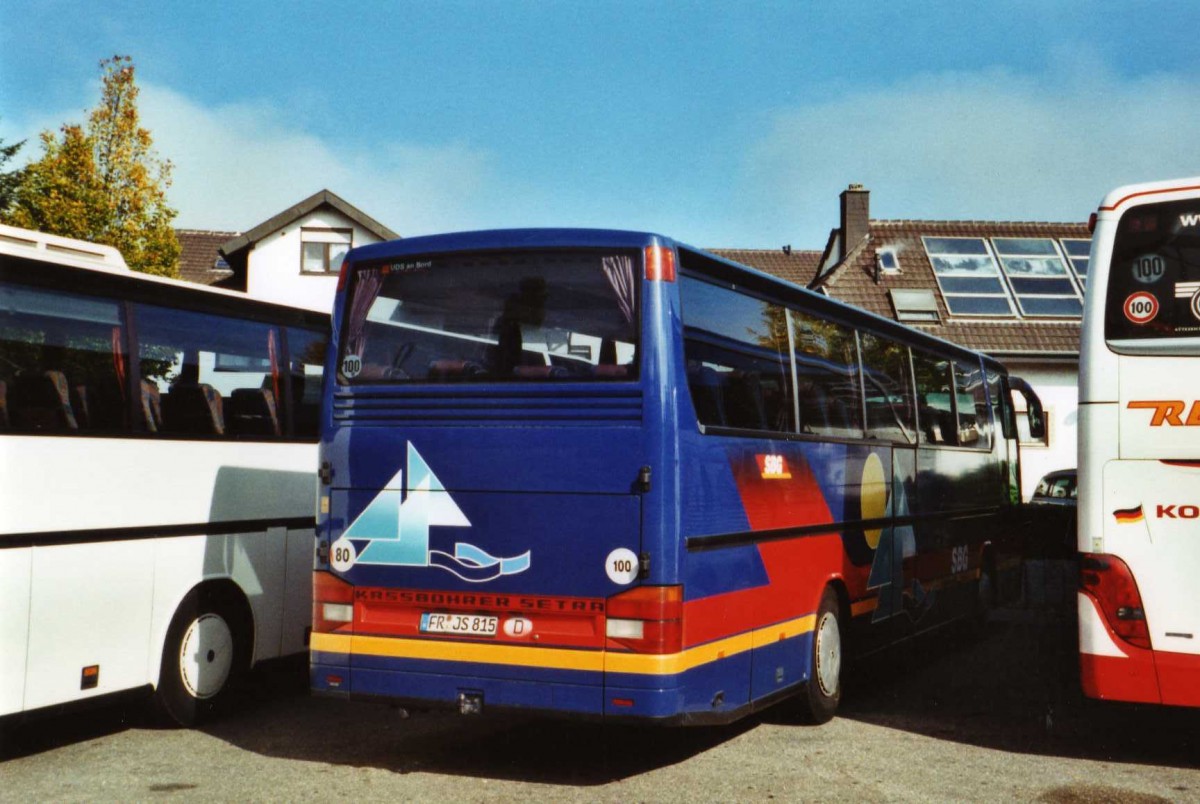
column 393, row 530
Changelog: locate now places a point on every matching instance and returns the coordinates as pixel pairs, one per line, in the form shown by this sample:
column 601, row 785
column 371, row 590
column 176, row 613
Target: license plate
column 465, row 624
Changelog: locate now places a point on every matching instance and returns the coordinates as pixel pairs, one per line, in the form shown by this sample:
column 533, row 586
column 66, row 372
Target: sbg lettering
column 1169, row 411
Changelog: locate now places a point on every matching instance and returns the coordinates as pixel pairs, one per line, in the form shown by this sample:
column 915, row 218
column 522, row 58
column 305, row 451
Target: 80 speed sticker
column 1141, row 307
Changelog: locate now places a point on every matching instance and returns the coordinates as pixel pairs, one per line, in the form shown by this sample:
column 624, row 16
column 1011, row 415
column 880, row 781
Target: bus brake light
column 343, row 275
column 647, row 619
column 333, row 604
column 1108, row 580
column 660, row 264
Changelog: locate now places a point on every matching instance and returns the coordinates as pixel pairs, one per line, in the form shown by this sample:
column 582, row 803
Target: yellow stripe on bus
column 561, row 658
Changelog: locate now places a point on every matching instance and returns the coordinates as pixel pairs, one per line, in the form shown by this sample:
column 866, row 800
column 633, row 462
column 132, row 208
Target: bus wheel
column 820, row 695
column 204, row 651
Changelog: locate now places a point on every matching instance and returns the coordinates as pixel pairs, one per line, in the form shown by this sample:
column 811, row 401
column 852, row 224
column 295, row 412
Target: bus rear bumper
column 1109, row 667
column 1172, row 679
column 445, row 685
column 421, row 684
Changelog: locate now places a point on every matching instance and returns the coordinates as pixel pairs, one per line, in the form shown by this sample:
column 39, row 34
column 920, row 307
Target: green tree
column 8, row 180
column 103, row 182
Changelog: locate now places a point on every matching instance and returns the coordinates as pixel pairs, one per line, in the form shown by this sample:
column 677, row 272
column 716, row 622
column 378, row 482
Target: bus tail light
column 648, row 619
column 1108, row 581
column 343, row 275
column 660, row 264
column 333, row 604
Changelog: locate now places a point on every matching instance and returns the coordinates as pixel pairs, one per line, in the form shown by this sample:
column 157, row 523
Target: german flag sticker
column 1125, row 516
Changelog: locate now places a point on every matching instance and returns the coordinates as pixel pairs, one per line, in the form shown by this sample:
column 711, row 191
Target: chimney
column 856, row 212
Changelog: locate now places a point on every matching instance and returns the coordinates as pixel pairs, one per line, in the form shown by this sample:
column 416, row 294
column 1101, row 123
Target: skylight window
column 914, row 305
column 1038, row 277
column 1078, row 252
column 968, row 276
column 888, row 262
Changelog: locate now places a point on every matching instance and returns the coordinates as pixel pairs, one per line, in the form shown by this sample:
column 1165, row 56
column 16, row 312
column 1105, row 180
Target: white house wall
column 273, row 270
column 1058, row 388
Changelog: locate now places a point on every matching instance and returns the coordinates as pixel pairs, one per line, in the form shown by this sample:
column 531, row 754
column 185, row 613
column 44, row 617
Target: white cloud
column 238, row 165
column 992, row 145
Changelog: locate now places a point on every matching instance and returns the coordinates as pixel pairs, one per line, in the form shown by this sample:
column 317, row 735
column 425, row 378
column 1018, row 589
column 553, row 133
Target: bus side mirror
column 1033, row 408
column 1037, row 419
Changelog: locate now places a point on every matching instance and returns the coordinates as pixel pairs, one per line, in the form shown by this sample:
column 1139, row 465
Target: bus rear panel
column 599, row 474
column 1139, row 513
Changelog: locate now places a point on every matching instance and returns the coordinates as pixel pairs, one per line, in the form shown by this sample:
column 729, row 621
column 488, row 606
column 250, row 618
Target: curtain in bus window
column 619, row 271
column 367, row 284
column 63, row 362
column 974, row 422
column 891, row 414
column 736, row 348
column 827, row 378
column 935, row 410
column 511, row 316
column 212, row 376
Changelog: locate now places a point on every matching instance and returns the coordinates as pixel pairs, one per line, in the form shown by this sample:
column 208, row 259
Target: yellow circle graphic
column 873, row 496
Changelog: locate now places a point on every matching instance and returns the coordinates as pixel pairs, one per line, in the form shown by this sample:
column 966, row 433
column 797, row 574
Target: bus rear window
column 523, row 316
column 1154, row 279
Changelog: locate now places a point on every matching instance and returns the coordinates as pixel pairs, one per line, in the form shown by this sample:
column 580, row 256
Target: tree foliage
column 103, row 182
column 10, row 179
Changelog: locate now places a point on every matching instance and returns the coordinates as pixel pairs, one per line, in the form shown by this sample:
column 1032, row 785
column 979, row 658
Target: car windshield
column 513, row 316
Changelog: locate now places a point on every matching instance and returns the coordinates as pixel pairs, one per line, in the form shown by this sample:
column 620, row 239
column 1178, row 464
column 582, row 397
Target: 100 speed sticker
column 1141, row 307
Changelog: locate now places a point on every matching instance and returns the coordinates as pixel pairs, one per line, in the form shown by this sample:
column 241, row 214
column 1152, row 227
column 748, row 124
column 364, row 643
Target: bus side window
column 736, row 349
column 974, row 418
column 215, row 376
column 827, row 376
column 306, row 350
column 63, row 363
column 936, row 412
column 890, row 414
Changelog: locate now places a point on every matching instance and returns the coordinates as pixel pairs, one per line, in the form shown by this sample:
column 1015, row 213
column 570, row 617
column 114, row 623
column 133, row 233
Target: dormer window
column 322, row 250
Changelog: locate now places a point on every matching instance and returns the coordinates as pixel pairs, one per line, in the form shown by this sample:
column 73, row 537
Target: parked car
column 1053, row 513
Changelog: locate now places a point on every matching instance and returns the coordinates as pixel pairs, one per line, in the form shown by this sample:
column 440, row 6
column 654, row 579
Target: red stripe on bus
column 1149, row 192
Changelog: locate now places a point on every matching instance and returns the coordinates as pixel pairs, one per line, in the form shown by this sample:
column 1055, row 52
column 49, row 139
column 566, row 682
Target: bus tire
column 819, row 697
column 205, row 650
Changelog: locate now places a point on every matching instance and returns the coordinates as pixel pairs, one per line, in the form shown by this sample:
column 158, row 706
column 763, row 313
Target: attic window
column 887, row 261
column 322, row 250
column 914, row 305
column 219, row 264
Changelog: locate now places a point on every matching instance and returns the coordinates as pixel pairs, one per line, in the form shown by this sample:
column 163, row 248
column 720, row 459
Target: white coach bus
column 157, row 468
column 1139, row 448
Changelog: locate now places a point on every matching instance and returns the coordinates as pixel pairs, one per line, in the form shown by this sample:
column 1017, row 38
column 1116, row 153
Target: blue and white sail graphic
column 396, row 531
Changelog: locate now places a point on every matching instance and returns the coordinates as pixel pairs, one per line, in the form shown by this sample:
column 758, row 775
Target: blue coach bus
column 605, row 474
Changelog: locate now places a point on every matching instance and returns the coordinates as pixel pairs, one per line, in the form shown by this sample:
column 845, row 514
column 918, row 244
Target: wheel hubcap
column 206, row 656
column 829, row 655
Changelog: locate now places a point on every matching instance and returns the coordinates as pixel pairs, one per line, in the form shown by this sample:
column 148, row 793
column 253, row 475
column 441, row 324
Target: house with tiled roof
column 1011, row 289
column 292, row 258
column 796, row 266
column 200, row 259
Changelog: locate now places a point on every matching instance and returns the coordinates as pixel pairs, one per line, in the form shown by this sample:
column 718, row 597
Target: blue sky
column 722, row 124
